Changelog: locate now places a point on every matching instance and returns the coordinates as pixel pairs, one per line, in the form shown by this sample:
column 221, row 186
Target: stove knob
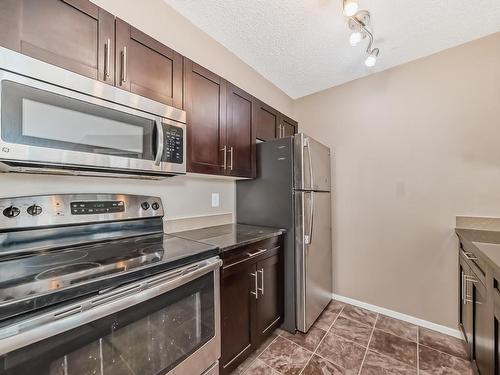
column 11, row 212
column 155, row 206
column 145, row 205
column 34, row 210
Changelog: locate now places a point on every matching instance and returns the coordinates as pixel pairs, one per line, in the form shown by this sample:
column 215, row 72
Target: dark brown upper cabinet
column 147, row 67
column 267, row 122
column 272, row 124
column 73, row 34
column 220, row 124
column 240, row 134
column 287, row 126
column 205, row 106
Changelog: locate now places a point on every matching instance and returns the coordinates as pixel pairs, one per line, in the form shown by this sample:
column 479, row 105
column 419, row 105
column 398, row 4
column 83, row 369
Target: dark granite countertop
column 486, row 242
column 230, row 236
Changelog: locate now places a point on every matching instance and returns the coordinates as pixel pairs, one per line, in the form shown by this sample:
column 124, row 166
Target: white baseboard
column 406, row 318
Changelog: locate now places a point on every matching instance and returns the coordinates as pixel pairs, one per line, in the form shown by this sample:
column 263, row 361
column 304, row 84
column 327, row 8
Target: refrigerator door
column 312, row 164
column 313, row 238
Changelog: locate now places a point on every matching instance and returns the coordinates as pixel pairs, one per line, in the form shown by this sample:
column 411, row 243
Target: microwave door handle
column 160, row 141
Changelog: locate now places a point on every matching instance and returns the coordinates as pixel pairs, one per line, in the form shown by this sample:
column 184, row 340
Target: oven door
column 166, row 324
column 44, row 124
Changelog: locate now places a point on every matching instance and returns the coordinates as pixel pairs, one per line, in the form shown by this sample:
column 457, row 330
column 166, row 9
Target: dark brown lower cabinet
column 251, row 299
column 269, row 276
column 496, row 332
column 478, row 322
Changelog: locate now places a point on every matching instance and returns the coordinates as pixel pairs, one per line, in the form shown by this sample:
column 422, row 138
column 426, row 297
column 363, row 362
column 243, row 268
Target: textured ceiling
column 302, row 46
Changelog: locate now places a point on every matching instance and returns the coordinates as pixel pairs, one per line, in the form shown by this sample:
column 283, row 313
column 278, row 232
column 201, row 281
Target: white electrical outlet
column 215, row 199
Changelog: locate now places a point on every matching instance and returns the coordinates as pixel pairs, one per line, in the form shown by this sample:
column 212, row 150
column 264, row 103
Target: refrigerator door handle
column 309, row 237
column 311, row 174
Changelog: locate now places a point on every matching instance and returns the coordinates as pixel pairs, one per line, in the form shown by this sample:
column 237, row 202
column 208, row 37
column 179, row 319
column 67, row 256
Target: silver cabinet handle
column 253, row 255
column 107, row 51
column 224, row 150
column 261, row 289
column 256, row 294
column 231, row 151
column 462, row 289
column 282, row 131
column 124, row 64
column 469, row 279
column 469, row 255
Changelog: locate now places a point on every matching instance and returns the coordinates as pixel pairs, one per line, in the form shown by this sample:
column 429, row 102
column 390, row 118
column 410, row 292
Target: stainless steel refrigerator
column 293, row 191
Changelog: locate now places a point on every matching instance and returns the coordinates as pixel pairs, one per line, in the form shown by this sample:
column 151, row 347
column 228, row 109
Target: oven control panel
column 97, row 207
column 173, row 151
column 64, row 209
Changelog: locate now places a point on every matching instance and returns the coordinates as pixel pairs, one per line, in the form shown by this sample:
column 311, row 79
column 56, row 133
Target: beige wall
column 413, row 147
column 162, row 22
column 182, row 196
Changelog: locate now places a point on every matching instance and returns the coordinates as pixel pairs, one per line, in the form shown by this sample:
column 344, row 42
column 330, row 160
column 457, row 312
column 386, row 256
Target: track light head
column 355, row 38
column 350, row 7
column 371, row 60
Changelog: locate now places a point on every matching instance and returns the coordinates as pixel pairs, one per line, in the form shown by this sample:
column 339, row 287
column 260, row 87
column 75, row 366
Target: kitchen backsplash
column 187, row 199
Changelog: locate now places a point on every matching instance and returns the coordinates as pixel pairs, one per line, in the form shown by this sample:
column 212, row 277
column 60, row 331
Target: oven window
column 147, row 339
column 35, row 117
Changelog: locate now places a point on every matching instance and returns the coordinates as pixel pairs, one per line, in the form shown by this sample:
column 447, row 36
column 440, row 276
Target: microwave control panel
column 173, row 151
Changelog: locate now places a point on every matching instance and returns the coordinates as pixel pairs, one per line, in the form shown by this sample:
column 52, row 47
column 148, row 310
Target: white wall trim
column 406, row 318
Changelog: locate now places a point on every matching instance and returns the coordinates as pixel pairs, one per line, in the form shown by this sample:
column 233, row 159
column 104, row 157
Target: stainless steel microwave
column 56, row 121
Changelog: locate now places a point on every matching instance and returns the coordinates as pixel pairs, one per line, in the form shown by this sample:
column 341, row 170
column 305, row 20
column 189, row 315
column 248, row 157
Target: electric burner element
column 58, row 258
column 65, row 270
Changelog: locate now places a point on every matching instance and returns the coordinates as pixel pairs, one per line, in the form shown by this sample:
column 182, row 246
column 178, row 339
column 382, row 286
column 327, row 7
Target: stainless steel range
column 89, row 284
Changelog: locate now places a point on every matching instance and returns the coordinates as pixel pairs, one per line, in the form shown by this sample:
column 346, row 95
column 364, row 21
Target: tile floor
column 349, row 340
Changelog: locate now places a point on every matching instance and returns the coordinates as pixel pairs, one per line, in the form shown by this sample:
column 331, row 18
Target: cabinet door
column 240, row 133
column 267, row 122
column 466, row 310
column 72, row 34
column 237, row 311
column 205, row 106
column 288, row 127
column 496, row 328
column 147, row 67
column 270, row 301
column 482, row 331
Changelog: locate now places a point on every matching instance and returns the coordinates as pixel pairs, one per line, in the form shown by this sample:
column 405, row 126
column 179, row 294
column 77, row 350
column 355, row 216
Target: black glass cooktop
column 43, row 279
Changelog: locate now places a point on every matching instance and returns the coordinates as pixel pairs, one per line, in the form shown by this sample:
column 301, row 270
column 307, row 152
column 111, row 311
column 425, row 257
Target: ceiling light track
column 359, row 21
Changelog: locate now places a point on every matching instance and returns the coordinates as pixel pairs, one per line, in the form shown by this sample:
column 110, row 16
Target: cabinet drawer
column 252, row 252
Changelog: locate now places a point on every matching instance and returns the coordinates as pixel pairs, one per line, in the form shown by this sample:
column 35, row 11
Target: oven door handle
column 38, row 328
column 160, row 141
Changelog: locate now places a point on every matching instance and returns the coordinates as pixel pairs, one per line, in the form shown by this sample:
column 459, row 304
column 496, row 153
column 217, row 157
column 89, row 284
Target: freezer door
column 311, row 165
column 313, row 239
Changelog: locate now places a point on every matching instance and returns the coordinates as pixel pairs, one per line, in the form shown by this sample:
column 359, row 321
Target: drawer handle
column 469, row 255
column 253, row 255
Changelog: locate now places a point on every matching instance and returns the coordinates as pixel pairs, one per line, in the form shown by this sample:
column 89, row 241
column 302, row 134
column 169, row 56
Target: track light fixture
column 350, row 7
column 359, row 21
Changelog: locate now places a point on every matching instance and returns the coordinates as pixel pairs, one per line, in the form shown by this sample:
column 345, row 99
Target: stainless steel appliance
column 56, row 121
column 89, row 284
column 293, row 191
